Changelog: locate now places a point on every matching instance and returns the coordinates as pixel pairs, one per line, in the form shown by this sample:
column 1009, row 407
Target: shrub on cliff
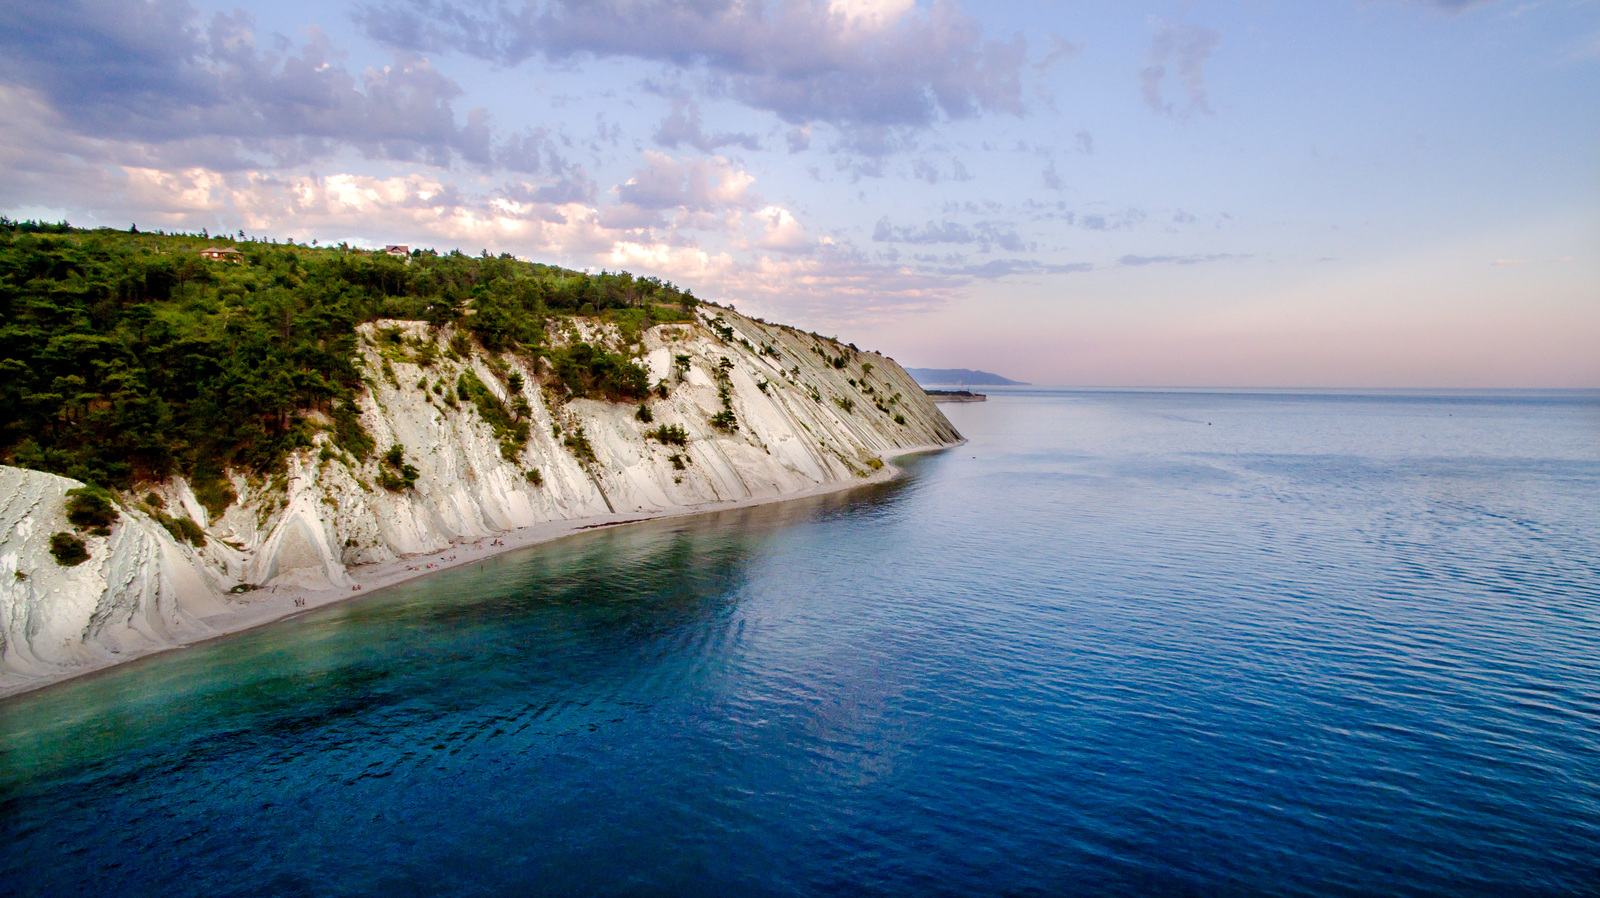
column 587, row 371
column 578, row 444
column 213, row 490
column 91, row 508
column 68, row 549
column 397, row 475
column 669, row 434
column 181, row 529
column 511, row 430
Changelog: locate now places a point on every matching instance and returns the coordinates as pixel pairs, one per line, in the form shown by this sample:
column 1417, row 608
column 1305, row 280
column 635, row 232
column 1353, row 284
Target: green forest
column 125, row 356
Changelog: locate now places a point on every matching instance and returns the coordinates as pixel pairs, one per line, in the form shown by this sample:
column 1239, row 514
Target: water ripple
column 1327, row 646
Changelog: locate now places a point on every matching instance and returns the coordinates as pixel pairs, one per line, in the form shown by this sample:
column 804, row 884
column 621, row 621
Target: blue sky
column 1363, row 193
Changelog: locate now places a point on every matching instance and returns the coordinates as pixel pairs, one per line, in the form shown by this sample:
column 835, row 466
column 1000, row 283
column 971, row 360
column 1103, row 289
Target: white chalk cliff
column 809, row 413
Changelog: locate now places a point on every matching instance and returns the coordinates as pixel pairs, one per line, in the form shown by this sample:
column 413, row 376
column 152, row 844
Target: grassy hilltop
column 125, row 356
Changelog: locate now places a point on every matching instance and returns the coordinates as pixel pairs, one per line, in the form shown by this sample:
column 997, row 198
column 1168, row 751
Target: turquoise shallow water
column 1292, row 643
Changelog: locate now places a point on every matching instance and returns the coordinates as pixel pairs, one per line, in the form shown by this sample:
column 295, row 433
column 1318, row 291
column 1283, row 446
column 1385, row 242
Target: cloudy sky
column 1383, row 193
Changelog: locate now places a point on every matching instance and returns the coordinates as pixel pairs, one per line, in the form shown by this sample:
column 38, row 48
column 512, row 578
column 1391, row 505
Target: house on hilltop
column 398, row 250
column 222, row 254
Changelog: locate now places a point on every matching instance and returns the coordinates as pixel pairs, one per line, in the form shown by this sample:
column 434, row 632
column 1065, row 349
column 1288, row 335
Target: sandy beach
column 272, row 604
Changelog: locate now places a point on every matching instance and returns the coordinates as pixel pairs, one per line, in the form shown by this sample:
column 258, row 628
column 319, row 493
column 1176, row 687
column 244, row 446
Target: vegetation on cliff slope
column 126, row 356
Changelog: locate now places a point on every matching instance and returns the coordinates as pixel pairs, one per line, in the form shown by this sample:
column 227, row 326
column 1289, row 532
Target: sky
column 1334, row 193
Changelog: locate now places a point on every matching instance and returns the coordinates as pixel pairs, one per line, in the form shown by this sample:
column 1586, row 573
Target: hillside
column 232, row 432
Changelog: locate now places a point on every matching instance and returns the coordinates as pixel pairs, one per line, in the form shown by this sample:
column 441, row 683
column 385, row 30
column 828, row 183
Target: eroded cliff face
column 138, row 589
column 806, row 411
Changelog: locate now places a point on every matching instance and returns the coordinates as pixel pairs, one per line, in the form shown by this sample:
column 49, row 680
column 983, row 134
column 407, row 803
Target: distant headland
column 956, row 396
column 961, row 377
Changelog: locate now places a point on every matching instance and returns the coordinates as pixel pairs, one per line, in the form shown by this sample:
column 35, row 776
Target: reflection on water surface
column 1294, row 643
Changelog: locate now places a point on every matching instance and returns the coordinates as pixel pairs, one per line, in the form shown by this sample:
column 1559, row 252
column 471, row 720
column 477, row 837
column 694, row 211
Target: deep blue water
column 1143, row 643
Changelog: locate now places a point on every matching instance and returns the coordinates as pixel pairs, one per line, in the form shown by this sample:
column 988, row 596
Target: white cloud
column 870, row 15
column 782, row 232
column 695, row 185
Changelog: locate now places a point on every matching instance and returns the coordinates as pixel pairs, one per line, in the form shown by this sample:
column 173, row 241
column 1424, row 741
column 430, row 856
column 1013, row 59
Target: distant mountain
column 962, row 377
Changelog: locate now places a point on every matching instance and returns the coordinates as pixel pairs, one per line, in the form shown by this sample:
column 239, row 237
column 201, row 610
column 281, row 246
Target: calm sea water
column 1143, row 643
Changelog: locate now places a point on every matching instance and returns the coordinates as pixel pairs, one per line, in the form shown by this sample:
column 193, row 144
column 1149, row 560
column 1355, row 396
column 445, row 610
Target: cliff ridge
column 465, row 445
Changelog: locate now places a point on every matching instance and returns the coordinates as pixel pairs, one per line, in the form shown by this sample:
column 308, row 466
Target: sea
column 1118, row 643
